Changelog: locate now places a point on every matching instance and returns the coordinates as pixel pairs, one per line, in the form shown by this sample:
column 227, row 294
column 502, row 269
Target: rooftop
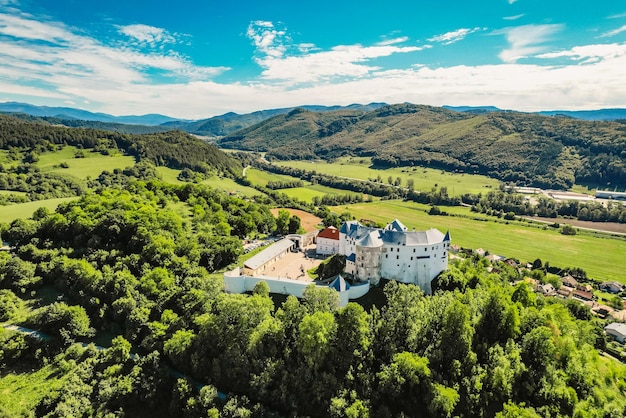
column 268, row 253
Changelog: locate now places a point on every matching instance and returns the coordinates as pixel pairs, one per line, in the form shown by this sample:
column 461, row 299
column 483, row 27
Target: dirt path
column 597, row 226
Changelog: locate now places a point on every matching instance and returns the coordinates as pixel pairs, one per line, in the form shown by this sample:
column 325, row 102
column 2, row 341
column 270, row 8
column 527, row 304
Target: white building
column 327, row 241
column 616, row 330
column 394, row 253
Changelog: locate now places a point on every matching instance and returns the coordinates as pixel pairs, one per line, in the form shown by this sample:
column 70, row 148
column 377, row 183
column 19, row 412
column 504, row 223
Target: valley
column 130, row 236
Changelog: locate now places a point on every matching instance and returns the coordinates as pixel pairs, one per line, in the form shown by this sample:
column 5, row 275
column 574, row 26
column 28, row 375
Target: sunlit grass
column 25, row 210
column 424, row 178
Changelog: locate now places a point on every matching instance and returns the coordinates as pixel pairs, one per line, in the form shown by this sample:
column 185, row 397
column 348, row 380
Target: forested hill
column 525, row 148
column 174, row 149
column 218, row 126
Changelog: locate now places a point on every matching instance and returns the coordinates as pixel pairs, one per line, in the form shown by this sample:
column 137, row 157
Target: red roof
column 331, row 233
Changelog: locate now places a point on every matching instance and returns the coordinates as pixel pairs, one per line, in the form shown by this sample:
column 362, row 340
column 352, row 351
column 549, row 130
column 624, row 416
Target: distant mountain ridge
column 222, row 125
column 72, row 113
column 599, row 114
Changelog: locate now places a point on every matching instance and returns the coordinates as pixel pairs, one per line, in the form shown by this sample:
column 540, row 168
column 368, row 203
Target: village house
column 393, row 253
column 612, row 287
column 616, row 330
column 547, row 289
column 582, row 295
column 569, row 281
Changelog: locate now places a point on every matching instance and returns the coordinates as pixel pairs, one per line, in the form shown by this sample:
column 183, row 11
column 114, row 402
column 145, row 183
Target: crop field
column 601, row 256
column 25, row 210
column 91, row 165
column 425, row 178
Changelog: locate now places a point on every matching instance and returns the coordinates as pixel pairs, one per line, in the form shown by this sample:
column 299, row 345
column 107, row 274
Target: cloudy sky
column 200, row 58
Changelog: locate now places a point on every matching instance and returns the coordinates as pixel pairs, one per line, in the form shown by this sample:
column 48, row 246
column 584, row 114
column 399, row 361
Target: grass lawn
column 91, row 166
column 25, row 210
column 602, row 257
column 425, row 178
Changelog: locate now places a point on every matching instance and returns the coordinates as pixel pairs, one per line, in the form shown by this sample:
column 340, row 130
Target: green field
column 601, row 257
column 261, row 178
column 26, row 210
column 425, row 178
column 21, row 392
column 90, row 166
column 169, row 175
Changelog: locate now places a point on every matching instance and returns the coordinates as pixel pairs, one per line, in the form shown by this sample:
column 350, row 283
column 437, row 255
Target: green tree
column 316, row 334
column 282, row 222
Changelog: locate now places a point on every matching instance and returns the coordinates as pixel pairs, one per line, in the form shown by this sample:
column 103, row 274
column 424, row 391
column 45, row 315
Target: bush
column 568, row 230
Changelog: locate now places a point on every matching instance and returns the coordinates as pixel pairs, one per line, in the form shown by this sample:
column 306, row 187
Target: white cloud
column 526, row 40
column 589, row 53
column 613, row 32
column 454, row 36
column 267, row 39
column 53, row 56
column 393, row 41
column 274, row 55
column 618, row 16
column 49, row 63
column 512, row 1
column 514, row 17
column 149, row 35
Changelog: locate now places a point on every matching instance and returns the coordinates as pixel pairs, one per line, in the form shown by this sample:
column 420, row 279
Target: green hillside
column 174, row 149
column 523, row 148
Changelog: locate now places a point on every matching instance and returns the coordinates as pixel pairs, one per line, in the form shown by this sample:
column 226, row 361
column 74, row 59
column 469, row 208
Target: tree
column 294, row 225
column 320, row 299
column 316, row 333
column 568, row 230
column 61, row 320
column 282, row 222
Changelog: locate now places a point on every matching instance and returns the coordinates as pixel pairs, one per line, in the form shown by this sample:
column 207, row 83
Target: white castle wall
column 236, row 283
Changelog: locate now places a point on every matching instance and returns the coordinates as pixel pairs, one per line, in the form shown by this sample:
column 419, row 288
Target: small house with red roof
column 328, row 241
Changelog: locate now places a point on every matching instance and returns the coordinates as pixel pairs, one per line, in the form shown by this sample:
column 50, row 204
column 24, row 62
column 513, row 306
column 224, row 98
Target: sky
column 195, row 59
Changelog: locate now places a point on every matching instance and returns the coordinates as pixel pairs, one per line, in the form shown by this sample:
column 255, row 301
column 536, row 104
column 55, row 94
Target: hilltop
column 511, row 146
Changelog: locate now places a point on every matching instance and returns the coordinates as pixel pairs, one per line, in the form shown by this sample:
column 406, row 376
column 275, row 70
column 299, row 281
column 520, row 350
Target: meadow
column 89, row 166
column 170, row 175
column 424, row 178
column 25, row 210
column 601, row 256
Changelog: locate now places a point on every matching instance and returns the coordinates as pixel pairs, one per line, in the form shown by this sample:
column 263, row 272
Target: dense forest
column 126, row 262
column 524, row 148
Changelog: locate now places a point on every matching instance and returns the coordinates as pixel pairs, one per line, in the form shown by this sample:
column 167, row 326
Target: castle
column 392, row 253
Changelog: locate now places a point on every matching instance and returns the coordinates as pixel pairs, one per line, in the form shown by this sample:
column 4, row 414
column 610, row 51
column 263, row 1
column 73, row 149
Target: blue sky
column 196, row 59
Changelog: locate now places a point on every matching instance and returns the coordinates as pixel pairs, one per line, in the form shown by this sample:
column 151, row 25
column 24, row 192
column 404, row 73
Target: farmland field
column 425, row 178
column 601, row 257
